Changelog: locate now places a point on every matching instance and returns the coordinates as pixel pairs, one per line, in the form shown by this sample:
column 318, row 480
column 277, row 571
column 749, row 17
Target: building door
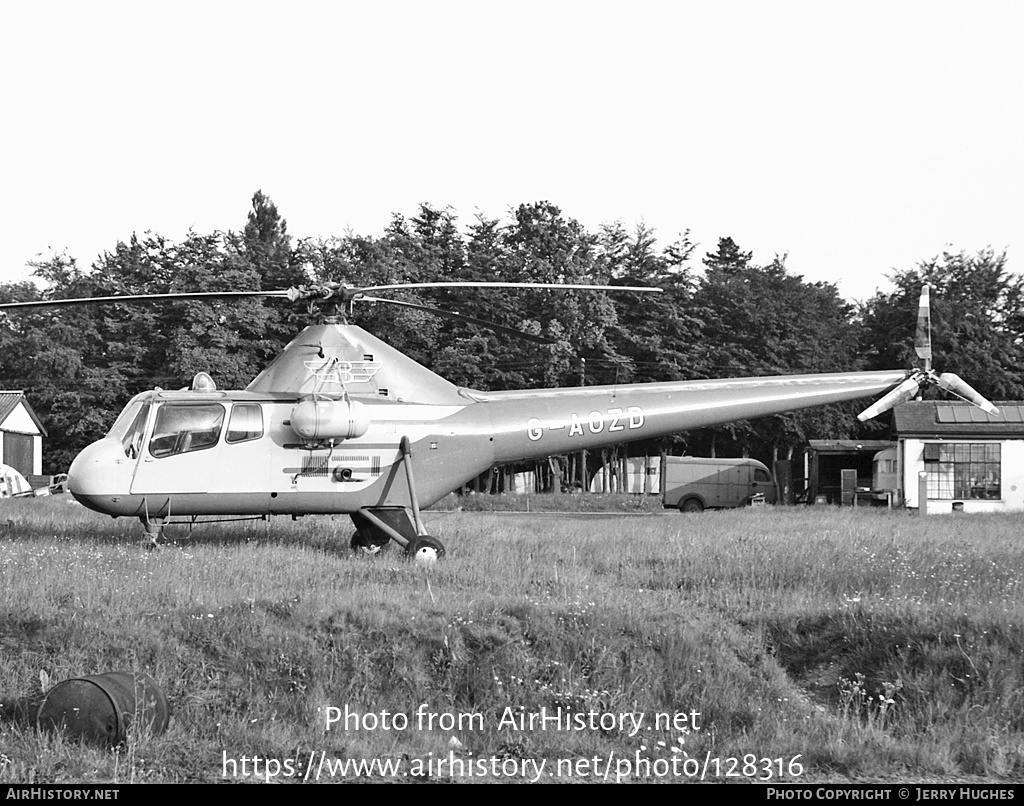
column 18, row 452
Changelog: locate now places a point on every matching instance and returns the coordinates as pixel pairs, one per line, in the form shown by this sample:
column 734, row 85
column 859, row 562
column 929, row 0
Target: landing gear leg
column 423, row 548
column 154, row 530
column 375, row 526
column 407, row 461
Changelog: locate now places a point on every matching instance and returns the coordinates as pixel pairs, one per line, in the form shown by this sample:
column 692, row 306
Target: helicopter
column 343, row 423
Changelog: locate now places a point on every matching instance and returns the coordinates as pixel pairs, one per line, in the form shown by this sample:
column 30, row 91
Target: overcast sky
column 857, row 138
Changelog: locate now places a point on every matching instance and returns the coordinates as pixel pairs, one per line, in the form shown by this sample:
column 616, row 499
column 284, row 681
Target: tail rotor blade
column 959, row 387
column 923, row 336
column 906, row 390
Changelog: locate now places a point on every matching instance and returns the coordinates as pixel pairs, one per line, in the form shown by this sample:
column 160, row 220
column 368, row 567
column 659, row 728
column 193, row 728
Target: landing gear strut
column 376, row 526
column 154, row 529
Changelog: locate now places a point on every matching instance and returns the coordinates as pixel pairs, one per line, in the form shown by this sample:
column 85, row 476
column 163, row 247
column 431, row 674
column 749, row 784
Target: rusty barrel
column 104, row 707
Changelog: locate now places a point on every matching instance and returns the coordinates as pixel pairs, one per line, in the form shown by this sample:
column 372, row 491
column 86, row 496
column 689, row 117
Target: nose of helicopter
column 100, row 474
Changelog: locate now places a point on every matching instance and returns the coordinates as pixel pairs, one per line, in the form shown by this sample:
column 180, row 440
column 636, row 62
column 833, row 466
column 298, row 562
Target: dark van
column 694, row 484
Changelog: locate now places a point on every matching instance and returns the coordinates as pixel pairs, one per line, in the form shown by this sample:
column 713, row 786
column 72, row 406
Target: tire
column 363, row 544
column 692, row 505
column 425, row 549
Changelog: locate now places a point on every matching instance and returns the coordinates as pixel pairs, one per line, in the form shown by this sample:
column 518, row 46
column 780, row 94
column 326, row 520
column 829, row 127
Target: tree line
column 720, row 315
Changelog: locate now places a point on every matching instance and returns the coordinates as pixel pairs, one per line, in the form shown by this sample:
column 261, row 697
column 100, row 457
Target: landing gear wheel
column 425, row 549
column 692, row 505
column 366, row 544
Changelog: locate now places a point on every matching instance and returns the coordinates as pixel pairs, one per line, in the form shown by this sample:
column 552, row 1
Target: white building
column 964, row 458
column 21, row 434
column 643, row 475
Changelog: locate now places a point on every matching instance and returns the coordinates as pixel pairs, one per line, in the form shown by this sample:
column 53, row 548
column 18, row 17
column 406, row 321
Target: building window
column 963, row 470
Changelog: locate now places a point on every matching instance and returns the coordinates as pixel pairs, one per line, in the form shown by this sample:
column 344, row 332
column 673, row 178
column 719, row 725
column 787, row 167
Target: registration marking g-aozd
column 613, row 420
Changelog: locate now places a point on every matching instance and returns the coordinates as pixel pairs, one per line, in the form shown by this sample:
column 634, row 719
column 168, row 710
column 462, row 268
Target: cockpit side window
column 246, row 422
column 186, row 427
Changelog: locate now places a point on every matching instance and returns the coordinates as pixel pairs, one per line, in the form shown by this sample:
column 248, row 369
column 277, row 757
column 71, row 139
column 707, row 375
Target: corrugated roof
column 945, row 417
column 9, row 401
column 972, row 414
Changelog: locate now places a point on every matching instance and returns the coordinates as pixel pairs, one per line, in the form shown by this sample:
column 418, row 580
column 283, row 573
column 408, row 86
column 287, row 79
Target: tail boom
column 533, row 424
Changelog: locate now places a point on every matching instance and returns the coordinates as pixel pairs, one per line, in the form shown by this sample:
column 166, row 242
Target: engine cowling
column 330, row 419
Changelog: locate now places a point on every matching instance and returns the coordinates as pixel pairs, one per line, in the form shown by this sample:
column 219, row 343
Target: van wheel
column 691, row 505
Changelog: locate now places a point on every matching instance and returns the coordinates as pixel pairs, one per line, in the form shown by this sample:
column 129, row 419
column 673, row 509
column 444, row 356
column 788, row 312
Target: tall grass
column 868, row 644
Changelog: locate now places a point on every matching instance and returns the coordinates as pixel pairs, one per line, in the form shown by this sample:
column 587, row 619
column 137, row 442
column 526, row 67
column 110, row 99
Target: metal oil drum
column 104, row 707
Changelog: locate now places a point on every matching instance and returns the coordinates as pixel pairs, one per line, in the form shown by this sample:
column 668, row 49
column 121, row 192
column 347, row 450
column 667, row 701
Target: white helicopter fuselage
column 355, row 413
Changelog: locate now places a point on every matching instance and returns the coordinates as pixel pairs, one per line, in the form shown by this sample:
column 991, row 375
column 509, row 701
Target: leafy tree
column 267, row 247
column 655, row 333
column 766, row 321
column 977, row 314
column 223, row 338
column 544, row 246
column 49, row 357
column 473, row 356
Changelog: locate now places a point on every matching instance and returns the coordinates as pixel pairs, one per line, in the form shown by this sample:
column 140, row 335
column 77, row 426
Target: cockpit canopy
column 184, row 426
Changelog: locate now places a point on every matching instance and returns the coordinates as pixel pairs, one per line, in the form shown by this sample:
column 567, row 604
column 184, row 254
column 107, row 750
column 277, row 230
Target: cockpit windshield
column 130, row 427
column 126, row 418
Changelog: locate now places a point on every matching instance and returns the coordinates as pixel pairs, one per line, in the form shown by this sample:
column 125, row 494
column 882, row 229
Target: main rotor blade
column 460, row 317
column 314, row 292
column 923, row 336
column 194, row 295
column 487, row 284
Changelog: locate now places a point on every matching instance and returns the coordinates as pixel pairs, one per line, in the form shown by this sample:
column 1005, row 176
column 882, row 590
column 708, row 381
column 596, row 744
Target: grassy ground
column 800, row 644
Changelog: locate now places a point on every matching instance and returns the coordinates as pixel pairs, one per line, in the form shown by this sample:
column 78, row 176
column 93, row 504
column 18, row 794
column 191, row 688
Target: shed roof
column 9, row 401
column 941, row 418
column 849, row 445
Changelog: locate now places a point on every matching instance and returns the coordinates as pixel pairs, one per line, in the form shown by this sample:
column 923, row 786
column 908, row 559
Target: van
column 693, row 484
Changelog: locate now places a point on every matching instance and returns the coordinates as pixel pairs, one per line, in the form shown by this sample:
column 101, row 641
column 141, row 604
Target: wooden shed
column 21, row 434
column 826, row 459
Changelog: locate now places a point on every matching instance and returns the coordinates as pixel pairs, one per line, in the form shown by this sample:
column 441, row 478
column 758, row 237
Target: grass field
column 795, row 644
